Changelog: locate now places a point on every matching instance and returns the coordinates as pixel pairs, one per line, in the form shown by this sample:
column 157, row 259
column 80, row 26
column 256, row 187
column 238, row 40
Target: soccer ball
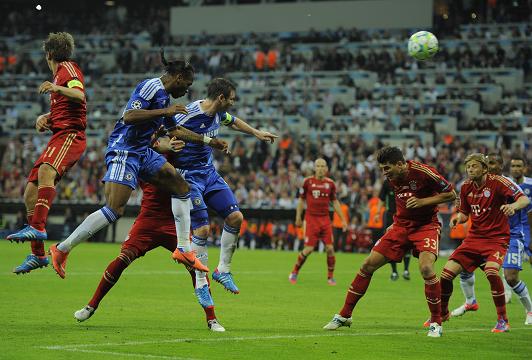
column 422, row 45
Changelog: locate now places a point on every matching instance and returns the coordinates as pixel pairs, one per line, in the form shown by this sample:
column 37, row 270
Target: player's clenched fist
column 47, row 87
column 176, row 109
column 453, row 222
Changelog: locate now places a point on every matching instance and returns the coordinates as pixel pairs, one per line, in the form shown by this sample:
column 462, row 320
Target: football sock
column 433, row 296
column 209, row 313
column 467, row 283
column 90, row 226
column 227, row 247
column 446, row 283
column 393, row 264
column 355, row 292
column 110, row 277
column 181, row 206
column 199, row 244
column 522, row 291
column 497, row 291
column 301, row 258
column 331, row 261
column 406, row 261
column 37, row 246
column 45, row 197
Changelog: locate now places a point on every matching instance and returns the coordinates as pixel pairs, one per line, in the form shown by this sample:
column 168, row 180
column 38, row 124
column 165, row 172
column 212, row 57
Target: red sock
column 497, row 291
column 45, row 197
column 110, row 277
column 355, row 292
column 209, row 313
column 301, row 258
column 37, row 246
column 446, row 283
column 433, row 296
column 331, row 260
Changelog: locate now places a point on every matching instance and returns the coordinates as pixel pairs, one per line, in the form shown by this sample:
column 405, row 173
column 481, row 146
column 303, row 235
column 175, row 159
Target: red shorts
column 318, row 228
column 472, row 254
column 398, row 240
column 148, row 233
column 63, row 150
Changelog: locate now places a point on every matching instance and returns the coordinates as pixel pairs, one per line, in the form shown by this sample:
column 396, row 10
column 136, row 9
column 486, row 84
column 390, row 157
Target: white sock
column 181, row 206
column 90, row 226
column 507, row 289
column 467, row 283
column 227, row 247
column 522, row 291
column 199, row 245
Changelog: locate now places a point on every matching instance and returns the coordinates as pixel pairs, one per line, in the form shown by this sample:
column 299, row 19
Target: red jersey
column 155, row 202
column 421, row 181
column 483, row 203
column 64, row 113
column 318, row 194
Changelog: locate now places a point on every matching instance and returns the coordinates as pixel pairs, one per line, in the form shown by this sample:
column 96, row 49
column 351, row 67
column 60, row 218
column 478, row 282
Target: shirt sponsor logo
column 316, row 194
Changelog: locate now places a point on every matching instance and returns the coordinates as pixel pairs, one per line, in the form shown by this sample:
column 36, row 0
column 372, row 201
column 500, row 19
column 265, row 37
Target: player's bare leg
column 357, row 289
column 222, row 274
column 301, row 258
column 117, row 196
column 520, row 288
column 432, row 292
column 331, row 261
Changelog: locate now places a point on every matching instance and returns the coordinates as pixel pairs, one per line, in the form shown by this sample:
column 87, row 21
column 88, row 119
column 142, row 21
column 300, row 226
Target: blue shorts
column 208, row 188
column 124, row 167
column 514, row 255
column 527, row 241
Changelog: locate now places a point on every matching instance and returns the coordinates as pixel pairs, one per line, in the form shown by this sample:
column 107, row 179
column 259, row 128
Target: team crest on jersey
column 326, row 185
column 316, row 194
column 413, row 185
column 136, row 104
column 197, row 201
column 487, row 193
column 129, row 176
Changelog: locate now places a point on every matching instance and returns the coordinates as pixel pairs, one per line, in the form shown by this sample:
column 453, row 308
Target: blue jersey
column 197, row 156
column 516, row 221
column 148, row 95
column 526, row 186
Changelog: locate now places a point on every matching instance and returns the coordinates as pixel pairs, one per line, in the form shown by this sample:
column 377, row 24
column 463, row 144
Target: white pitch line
column 167, row 272
column 271, row 337
column 144, row 356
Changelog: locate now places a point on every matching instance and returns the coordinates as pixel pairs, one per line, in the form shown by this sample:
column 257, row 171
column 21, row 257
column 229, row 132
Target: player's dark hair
column 518, row 157
column 220, row 86
column 497, row 156
column 60, row 46
column 176, row 67
column 390, row 155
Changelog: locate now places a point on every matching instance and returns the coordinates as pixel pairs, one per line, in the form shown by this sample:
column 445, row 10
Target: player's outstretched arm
column 182, row 133
column 139, row 116
column 510, row 209
column 72, row 94
column 165, row 145
column 414, row 202
column 242, row 126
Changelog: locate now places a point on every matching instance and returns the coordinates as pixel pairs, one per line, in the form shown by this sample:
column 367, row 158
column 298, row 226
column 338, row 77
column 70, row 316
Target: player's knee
column 511, row 278
column 330, row 250
column 182, row 186
column 235, row 219
column 202, row 232
column 368, row 266
column 117, row 208
column 47, row 175
column 427, row 270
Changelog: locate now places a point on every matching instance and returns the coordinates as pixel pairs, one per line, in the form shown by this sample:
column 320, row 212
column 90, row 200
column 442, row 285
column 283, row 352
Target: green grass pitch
column 153, row 314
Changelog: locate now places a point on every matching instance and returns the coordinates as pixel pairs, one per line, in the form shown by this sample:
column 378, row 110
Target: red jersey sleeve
column 332, row 195
column 508, row 188
column 464, row 207
column 69, row 76
column 437, row 182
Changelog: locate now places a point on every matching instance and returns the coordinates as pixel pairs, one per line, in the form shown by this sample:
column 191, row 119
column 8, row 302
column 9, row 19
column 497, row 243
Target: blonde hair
column 59, row 46
column 481, row 158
